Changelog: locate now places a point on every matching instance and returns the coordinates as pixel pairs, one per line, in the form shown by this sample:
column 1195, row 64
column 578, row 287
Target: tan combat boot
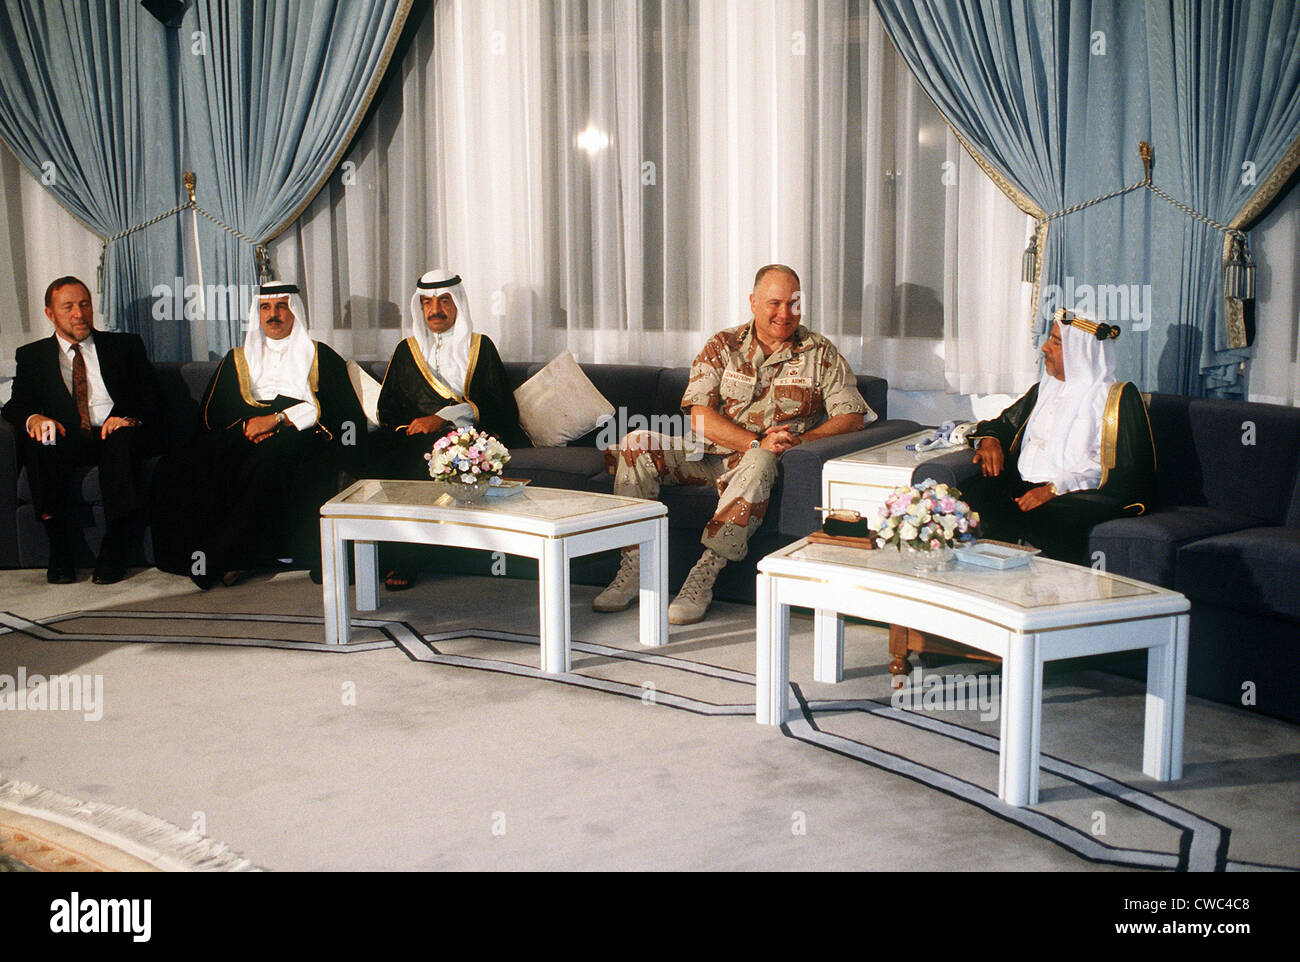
column 692, row 602
column 626, row 584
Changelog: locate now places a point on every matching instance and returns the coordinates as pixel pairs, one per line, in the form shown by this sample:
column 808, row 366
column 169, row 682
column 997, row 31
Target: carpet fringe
column 161, row 844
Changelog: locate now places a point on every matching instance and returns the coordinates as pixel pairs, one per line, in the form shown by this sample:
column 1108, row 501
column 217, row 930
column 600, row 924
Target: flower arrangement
column 467, row 456
column 926, row 517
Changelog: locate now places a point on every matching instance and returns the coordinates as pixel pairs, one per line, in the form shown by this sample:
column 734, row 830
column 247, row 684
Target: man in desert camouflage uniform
column 755, row 392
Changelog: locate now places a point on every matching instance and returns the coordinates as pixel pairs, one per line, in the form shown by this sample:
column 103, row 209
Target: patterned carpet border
column 1203, row 846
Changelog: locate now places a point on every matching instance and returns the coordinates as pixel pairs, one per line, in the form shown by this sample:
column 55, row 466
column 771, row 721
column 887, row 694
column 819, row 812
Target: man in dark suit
column 84, row 397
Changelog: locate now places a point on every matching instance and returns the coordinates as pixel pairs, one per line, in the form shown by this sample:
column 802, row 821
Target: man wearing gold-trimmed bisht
column 280, row 424
column 443, row 376
column 1075, row 451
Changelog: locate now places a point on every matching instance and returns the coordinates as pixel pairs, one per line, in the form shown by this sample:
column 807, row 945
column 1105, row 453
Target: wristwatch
column 756, row 443
column 279, row 418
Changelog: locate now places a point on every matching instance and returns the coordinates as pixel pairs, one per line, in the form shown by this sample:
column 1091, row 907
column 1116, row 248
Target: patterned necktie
column 81, row 388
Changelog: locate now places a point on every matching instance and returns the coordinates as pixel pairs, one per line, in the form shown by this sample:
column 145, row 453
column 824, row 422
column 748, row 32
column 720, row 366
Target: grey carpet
column 434, row 742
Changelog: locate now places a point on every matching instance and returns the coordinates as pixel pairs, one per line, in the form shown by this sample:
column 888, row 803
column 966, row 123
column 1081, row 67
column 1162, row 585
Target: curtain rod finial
column 190, row 182
column 1144, row 148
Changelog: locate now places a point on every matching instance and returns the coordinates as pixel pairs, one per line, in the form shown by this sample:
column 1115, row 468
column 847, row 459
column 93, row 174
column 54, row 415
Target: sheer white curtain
column 39, row 241
column 988, row 345
column 1274, row 375
column 607, row 176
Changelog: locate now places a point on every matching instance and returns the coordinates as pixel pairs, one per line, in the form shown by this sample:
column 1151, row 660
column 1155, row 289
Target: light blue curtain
column 1056, row 95
column 1225, row 107
column 273, row 94
column 86, row 106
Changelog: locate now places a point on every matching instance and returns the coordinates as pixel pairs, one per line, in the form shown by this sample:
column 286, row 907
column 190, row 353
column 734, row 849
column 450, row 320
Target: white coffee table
column 862, row 480
column 553, row 526
column 1027, row 617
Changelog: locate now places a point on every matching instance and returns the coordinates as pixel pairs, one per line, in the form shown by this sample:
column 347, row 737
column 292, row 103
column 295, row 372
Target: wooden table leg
column 898, row 666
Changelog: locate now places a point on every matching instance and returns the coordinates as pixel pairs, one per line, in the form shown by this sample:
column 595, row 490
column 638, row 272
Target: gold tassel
column 1239, row 271
column 1029, row 262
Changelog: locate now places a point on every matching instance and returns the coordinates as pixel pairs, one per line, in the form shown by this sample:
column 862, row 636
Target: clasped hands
column 778, row 441
column 990, row 458
column 36, row 426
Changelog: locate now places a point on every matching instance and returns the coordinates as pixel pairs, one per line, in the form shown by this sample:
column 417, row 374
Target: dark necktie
column 81, row 388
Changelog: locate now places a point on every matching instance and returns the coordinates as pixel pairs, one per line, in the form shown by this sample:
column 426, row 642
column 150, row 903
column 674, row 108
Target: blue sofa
column 1224, row 531
column 639, row 389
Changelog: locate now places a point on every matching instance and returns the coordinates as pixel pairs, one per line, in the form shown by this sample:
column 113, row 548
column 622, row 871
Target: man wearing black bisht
column 1075, row 451
column 281, row 428
column 443, row 376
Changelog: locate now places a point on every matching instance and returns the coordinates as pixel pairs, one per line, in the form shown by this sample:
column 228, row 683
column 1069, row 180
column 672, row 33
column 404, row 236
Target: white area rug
column 434, row 742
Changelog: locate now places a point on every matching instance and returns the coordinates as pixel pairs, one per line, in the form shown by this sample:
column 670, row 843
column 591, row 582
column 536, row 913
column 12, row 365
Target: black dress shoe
column 61, row 574
column 108, row 574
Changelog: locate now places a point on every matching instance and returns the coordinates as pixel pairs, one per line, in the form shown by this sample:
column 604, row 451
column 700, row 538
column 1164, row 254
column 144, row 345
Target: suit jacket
column 38, row 386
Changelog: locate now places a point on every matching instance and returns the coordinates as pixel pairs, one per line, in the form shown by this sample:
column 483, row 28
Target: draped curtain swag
column 91, row 101
column 85, row 107
column 1053, row 97
column 271, row 105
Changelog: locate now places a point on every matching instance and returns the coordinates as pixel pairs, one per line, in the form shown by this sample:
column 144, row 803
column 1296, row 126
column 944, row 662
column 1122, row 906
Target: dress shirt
column 101, row 402
column 277, row 380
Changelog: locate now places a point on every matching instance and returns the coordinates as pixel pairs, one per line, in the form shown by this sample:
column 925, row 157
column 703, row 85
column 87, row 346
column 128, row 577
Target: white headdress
column 447, row 354
column 1063, row 434
column 298, row 348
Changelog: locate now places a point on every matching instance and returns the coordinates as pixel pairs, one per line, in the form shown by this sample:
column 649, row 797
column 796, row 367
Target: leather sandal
column 396, row 580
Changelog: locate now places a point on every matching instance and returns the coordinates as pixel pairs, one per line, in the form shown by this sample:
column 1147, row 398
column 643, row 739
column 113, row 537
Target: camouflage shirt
column 804, row 380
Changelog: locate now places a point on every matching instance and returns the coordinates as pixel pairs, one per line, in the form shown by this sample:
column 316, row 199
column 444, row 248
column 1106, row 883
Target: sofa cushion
column 197, row 376
column 559, row 403
column 1293, row 515
column 517, row 372
column 670, row 389
column 1257, row 569
column 367, row 388
column 1226, row 454
column 875, row 391
column 1146, row 547
column 630, row 386
column 578, row 468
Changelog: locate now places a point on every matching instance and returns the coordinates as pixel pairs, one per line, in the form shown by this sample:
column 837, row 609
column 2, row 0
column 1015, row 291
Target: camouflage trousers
column 744, row 482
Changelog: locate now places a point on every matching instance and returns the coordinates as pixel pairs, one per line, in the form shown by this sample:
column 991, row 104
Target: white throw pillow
column 367, row 389
column 559, row 403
